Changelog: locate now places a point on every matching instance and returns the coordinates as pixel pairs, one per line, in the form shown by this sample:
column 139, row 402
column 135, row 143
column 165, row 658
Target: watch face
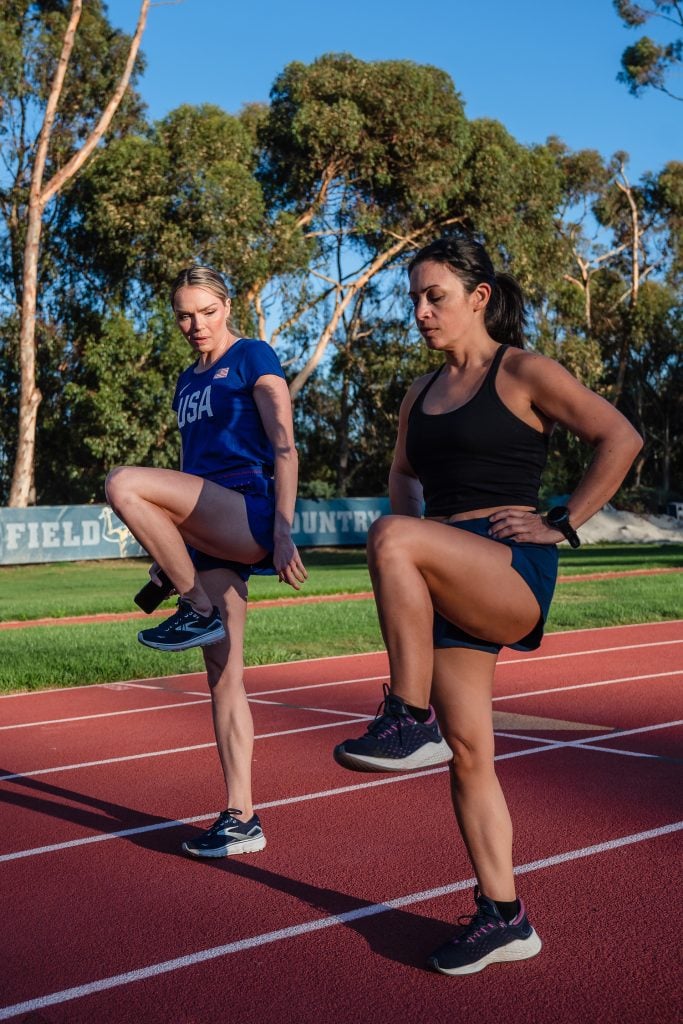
column 558, row 515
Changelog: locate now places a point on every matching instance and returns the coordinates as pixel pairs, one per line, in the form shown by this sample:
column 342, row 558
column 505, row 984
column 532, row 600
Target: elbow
column 286, row 453
column 635, row 441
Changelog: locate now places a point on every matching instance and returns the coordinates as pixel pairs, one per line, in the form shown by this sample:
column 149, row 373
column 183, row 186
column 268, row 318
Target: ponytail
column 505, row 315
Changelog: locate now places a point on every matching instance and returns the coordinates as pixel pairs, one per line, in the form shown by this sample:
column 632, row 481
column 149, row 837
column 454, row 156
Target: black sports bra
column 478, row 456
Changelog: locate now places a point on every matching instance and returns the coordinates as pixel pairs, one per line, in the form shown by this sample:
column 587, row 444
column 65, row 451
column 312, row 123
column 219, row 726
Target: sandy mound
column 610, row 525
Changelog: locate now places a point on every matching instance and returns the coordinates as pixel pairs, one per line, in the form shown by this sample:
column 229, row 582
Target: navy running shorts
column 535, row 563
column 259, row 497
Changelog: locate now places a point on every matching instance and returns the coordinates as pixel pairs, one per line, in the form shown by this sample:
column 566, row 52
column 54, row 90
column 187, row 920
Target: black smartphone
column 151, row 595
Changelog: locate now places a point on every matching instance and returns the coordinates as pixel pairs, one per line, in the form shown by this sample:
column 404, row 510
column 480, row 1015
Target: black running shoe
column 227, row 836
column 185, row 628
column 486, row 938
column 395, row 741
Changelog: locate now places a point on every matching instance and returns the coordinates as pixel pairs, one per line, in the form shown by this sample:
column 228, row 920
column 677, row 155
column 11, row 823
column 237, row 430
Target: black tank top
column 478, row 456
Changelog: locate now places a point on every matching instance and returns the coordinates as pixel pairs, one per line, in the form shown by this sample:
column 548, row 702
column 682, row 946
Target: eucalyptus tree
column 649, row 64
column 614, row 314
column 64, row 73
column 372, row 160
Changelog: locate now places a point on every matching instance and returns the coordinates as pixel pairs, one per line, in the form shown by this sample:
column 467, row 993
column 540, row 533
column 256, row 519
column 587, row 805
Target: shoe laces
column 477, row 924
column 385, row 721
column 223, row 818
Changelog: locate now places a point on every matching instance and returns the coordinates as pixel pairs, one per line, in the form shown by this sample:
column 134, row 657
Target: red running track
column 105, row 920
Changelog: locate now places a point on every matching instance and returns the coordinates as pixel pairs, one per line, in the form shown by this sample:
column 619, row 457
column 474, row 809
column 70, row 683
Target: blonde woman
column 226, row 514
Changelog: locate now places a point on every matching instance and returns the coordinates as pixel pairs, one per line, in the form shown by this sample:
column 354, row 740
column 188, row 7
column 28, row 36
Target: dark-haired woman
column 478, row 571
column 228, row 513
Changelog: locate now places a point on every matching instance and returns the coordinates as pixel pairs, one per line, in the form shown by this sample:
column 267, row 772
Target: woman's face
column 445, row 312
column 201, row 316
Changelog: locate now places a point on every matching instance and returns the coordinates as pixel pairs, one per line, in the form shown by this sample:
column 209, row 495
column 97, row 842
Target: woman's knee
column 471, row 758
column 118, row 484
column 386, row 539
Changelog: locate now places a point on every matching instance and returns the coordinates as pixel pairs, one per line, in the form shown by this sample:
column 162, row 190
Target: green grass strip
column 87, row 588
column 53, row 656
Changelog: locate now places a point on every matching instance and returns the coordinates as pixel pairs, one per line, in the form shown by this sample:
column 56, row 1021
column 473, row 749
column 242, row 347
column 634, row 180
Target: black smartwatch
column 558, row 519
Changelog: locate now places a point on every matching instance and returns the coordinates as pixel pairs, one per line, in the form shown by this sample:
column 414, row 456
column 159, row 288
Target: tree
column 47, row 34
column 375, row 159
column 648, row 64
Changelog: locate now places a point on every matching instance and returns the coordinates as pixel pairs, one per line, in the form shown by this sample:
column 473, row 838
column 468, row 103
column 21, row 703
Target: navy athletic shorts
column 535, row 563
column 259, row 497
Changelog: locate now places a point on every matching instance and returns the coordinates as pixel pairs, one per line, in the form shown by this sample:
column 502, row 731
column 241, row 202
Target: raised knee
column 117, row 485
column 385, row 538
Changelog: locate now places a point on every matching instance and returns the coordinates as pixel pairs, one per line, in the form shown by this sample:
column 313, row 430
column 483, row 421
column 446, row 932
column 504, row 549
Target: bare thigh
column 470, row 579
column 209, row 517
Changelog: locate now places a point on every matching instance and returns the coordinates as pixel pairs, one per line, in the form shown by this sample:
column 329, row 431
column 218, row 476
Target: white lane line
column 107, row 714
column 173, row 750
column 364, row 679
column 594, row 650
column 318, row 924
column 319, row 686
column 299, row 707
column 288, row 732
column 158, row 826
column 584, row 686
column 540, row 748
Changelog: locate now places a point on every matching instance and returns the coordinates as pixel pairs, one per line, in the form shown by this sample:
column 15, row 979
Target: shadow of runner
column 396, row 934
column 102, row 816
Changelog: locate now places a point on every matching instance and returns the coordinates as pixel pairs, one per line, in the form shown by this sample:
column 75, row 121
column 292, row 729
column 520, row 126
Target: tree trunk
column 22, row 489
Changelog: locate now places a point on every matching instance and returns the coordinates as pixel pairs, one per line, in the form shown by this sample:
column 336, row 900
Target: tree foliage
column 311, row 206
column 647, row 64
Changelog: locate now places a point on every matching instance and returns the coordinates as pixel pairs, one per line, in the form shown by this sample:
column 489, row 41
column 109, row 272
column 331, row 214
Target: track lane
column 589, row 792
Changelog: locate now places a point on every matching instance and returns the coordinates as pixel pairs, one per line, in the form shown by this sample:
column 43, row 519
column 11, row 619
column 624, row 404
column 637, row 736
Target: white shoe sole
column 425, row 757
column 205, row 640
column 247, row 846
column 521, row 949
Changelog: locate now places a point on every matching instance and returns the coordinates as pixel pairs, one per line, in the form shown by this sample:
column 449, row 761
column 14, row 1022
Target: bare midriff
column 479, row 513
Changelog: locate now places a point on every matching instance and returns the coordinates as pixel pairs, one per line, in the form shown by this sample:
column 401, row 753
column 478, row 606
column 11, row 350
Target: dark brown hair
column 505, row 315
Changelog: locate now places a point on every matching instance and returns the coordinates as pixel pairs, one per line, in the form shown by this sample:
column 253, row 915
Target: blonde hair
column 207, row 278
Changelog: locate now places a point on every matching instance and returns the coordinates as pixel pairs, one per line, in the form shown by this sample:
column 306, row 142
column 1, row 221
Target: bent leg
column 232, row 721
column 417, row 566
column 165, row 510
column 462, row 694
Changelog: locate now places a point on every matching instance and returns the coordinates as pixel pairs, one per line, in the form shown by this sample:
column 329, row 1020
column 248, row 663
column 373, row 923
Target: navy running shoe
column 185, row 628
column 486, row 938
column 227, row 836
column 395, row 741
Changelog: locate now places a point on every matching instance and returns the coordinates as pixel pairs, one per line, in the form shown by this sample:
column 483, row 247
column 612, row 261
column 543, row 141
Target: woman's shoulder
column 526, row 365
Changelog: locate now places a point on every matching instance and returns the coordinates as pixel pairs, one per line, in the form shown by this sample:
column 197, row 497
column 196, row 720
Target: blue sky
column 541, row 67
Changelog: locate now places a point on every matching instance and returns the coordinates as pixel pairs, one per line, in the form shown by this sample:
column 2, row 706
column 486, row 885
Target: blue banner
column 69, row 533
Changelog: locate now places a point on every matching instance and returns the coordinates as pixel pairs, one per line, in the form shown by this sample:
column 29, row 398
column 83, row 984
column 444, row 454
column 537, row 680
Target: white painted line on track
column 107, row 714
column 320, row 686
column 540, row 748
column 317, row 924
column 584, row 686
column 173, row 750
column 331, row 725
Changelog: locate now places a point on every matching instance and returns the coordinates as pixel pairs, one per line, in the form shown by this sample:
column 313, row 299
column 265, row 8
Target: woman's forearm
column 286, row 473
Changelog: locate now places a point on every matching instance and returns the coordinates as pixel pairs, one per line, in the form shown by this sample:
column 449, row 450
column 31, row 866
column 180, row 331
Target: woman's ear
column 481, row 296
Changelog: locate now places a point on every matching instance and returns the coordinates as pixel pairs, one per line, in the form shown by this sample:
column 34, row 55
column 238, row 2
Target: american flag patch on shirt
column 223, row 372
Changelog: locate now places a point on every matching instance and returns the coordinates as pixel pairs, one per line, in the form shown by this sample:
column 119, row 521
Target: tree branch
column 79, row 158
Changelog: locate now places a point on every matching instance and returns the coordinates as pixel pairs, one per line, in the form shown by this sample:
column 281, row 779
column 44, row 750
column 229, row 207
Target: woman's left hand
column 525, row 527
column 287, row 561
